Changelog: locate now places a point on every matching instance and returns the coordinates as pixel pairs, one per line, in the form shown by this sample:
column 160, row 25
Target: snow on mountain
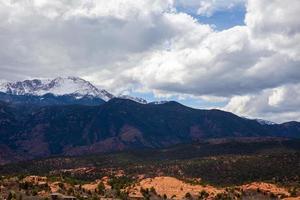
column 265, row 122
column 74, row 86
column 136, row 99
column 158, row 102
column 58, row 86
column 261, row 121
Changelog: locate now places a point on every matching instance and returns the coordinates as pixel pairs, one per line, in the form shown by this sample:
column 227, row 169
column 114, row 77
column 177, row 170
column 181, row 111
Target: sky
column 241, row 56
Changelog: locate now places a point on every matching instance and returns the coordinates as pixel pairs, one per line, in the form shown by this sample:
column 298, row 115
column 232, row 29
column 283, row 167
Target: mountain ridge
column 70, row 86
column 57, row 118
column 119, row 124
column 58, row 86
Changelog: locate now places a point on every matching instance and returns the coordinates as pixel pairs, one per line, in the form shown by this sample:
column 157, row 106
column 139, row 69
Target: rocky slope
column 123, row 187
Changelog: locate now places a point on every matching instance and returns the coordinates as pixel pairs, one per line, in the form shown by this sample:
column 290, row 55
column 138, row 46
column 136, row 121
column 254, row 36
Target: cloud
column 278, row 104
column 46, row 37
column 275, row 24
column 154, row 46
column 208, row 7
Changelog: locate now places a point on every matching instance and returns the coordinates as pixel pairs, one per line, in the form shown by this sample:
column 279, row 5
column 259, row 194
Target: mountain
column 64, row 91
column 136, row 99
column 119, row 124
column 261, row 121
column 74, row 86
column 158, row 102
column 265, row 122
column 50, row 99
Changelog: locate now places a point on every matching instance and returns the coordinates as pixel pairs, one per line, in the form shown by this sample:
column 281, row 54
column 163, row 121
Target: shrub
column 203, row 194
column 101, row 188
column 188, row 195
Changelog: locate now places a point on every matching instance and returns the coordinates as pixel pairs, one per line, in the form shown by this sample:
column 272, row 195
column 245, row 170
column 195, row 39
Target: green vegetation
column 101, row 188
column 118, row 184
column 203, row 195
column 222, row 164
column 121, row 182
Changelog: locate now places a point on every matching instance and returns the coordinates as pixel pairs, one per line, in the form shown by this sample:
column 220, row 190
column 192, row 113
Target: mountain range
column 48, row 118
column 48, row 91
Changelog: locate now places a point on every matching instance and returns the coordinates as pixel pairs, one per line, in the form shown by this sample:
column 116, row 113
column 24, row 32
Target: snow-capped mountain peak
column 265, row 122
column 261, row 121
column 136, row 99
column 58, row 86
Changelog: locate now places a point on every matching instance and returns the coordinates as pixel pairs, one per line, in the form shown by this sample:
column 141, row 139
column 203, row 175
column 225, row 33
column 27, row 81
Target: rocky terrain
column 252, row 168
column 123, row 187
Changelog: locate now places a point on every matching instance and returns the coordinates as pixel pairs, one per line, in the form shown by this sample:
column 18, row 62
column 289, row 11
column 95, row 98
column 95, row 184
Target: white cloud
column 149, row 46
column 276, row 25
column 278, row 104
column 208, row 7
column 84, row 36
